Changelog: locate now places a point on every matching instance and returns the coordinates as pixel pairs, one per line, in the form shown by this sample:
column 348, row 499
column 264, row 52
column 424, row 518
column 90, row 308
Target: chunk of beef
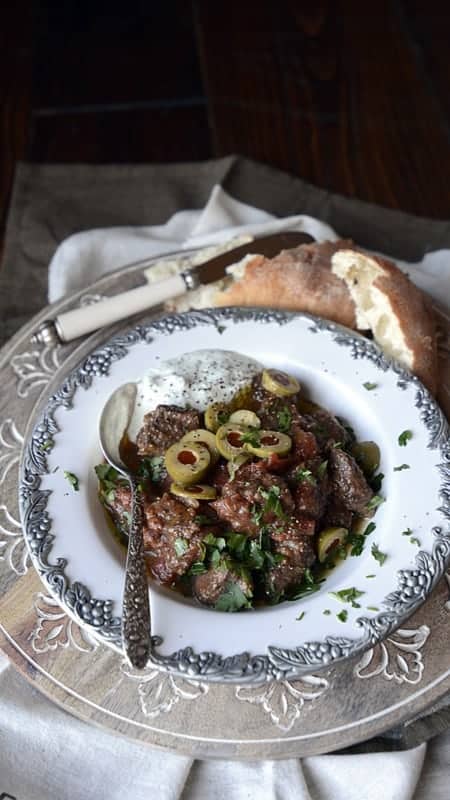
column 348, row 483
column 298, row 552
column 243, row 495
column 219, row 476
column 310, row 497
column 268, row 406
column 336, row 515
column 325, row 427
column 172, row 538
column 211, row 585
column 304, row 443
column 163, row 427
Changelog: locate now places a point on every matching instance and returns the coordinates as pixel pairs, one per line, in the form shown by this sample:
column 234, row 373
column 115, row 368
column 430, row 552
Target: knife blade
column 81, row 321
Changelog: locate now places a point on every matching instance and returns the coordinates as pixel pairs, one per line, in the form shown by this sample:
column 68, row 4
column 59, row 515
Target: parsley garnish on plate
column 371, row 576
column 72, row 479
column 252, row 437
column 343, row 615
column 357, row 540
column 414, row 540
column 374, row 502
column 407, row 532
column 305, row 475
column 402, row 466
column 232, row 599
column 272, row 500
column 404, row 438
column 348, row 596
column 322, row 468
column 378, row 555
column 376, row 481
column 370, row 386
column 300, row 616
column 284, row 419
column 181, row 546
column 372, row 608
column 327, row 612
column 152, row 468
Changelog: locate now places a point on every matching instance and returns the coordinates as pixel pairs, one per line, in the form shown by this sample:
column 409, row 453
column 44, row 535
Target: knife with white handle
column 80, row 321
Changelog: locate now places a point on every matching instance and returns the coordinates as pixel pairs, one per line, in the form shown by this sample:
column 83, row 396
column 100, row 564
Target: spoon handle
column 136, row 610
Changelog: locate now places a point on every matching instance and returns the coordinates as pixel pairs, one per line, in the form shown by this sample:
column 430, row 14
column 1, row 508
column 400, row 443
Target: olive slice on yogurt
column 187, row 462
column 198, row 491
column 268, row 442
column 280, row 383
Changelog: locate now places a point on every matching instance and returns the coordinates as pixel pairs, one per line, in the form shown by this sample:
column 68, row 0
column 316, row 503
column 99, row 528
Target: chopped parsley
column 343, row 615
column 47, row 445
column 371, row 576
column 376, row 481
column 272, row 500
column 327, row 612
column 220, row 328
column 348, row 596
column 180, row 546
column 251, row 437
column 374, row 502
column 370, row 386
column 223, row 417
column 284, row 419
column 322, row 468
column 198, row 568
column 300, row 616
column 402, row 466
column 308, row 585
column 404, row 438
column 152, row 468
column 414, row 540
column 305, row 475
column 357, row 540
column 378, row 555
column 407, row 532
column 232, row 599
column 72, row 479
column 202, row 519
column 372, row 608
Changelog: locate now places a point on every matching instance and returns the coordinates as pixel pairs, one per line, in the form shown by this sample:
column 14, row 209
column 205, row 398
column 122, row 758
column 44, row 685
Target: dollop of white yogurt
column 193, row 380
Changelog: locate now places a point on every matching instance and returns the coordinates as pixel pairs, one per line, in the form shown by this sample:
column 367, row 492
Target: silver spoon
column 136, row 635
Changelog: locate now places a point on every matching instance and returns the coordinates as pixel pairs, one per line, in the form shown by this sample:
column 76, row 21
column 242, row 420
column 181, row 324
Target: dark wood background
column 352, row 96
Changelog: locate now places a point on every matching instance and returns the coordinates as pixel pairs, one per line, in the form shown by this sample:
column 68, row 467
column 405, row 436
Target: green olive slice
column 187, row 463
column 367, row 454
column 229, row 440
column 198, row 491
column 245, row 417
column 216, row 415
column 234, row 464
column 268, row 442
column 280, row 383
column 329, row 539
column 204, row 437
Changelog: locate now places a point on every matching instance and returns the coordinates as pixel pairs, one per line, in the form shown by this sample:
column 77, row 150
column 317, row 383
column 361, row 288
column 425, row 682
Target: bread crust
column 295, row 280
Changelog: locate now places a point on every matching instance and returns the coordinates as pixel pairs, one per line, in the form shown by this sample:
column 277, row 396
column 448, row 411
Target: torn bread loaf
column 393, row 308
column 336, row 281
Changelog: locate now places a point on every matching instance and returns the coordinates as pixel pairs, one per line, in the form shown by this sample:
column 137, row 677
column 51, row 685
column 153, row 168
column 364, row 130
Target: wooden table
column 351, row 96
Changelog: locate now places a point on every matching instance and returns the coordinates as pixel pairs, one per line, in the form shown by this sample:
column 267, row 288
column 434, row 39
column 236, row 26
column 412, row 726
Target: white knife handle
column 84, row 320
